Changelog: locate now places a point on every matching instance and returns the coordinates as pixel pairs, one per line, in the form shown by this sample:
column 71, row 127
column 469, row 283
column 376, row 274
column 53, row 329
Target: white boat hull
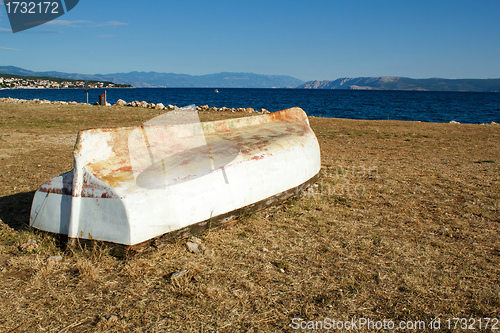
column 128, row 194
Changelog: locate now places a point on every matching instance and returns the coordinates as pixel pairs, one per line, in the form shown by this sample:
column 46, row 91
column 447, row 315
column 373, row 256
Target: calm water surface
column 464, row 107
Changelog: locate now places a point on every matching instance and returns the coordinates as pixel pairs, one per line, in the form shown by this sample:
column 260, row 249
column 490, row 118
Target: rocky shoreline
column 143, row 104
column 158, row 106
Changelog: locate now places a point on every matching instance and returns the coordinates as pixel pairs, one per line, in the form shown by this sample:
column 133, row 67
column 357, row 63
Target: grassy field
column 403, row 226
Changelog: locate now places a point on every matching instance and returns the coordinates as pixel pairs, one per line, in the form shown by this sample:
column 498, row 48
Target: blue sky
column 310, row 40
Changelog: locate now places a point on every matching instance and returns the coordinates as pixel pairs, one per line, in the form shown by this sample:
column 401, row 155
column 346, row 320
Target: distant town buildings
column 12, row 82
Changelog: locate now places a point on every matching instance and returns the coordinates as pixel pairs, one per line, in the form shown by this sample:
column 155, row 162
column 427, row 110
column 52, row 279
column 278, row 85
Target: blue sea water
column 464, row 107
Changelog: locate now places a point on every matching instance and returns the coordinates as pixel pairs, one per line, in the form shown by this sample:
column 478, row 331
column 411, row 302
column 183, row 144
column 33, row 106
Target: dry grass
column 404, row 225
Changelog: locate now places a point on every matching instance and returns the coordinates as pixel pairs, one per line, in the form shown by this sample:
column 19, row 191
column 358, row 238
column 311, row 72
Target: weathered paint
column 129, row 185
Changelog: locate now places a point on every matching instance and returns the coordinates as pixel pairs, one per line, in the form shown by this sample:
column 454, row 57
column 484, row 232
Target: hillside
column 173, row 80
column 404, row 83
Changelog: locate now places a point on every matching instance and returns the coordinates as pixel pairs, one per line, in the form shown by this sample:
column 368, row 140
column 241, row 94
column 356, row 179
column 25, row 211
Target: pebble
column 54, row 259
column 29, row 246
column 178, row 274
column 111, row 318
column 195, row 245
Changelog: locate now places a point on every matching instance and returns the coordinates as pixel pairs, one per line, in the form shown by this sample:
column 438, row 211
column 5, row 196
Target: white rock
column 29, row 246
column 120, row 102
column 178, row 274
column 54, row 259
column 194, row 247
column 111, row 318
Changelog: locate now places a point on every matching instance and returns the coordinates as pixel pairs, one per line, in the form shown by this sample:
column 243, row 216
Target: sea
column 425, row 106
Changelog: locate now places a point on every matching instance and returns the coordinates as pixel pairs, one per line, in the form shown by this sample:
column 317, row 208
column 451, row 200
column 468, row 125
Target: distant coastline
column 406, row 84
column 241, row 80
column 9, row 81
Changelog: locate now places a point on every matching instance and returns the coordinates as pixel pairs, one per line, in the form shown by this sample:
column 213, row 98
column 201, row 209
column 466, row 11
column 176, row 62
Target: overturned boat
column 175, row 174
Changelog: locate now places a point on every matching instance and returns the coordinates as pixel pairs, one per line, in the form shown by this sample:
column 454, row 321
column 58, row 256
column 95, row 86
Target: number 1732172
column 45, row 7
column 472, row 323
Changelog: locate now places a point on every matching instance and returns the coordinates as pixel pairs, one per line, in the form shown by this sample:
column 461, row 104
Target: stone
column 159, row 106
column 120, row 102
column 178, row 274
column 264, row 111
column 454, row 122
column 54, row 259
column 249, row 110
column 194, row 247
column 111, row 318
column 30, row 246
column 151, row 105
column 144, row 104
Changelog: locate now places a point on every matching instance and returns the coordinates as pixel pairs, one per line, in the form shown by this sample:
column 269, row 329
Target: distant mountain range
column 404, row 83
column 252, row 80
column 155, row 79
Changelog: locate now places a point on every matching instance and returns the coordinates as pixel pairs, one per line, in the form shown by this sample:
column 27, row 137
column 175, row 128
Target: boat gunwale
column 271, row 116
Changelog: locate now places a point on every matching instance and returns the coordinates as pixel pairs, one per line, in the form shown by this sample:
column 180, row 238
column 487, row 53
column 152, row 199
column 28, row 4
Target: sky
column 309, row 40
